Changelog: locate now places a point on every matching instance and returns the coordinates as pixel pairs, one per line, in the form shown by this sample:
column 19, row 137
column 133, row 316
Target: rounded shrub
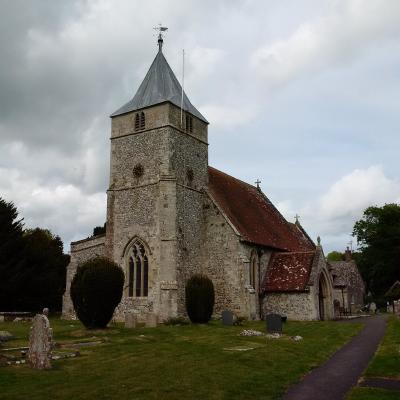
column 199, row 298
column 96, row 290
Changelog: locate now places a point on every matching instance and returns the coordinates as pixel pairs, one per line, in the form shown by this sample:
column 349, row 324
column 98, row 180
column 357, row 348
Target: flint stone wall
column 81, row 251
column 296, row 306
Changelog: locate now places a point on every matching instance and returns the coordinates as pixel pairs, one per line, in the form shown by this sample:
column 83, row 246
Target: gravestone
column 4, row 336
column 227, row 317
column 372, row 308
column 1, row 318
column 151, row 320
column 40, row 343
column 274, row 323
column 130, row 320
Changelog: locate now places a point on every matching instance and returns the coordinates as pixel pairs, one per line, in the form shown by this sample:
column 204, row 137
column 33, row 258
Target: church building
column 171, row 215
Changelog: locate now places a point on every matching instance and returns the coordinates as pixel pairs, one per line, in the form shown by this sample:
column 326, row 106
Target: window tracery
column 138, row 270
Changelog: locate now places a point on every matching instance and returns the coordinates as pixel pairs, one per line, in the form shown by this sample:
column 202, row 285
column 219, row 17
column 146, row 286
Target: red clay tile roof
column 253, row 215
column 288, row 272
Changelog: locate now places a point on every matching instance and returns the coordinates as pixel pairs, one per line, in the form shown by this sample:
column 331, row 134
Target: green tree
column 96, row 289
column 378, row 236
column 335, row 256
column 99, row 230
column 43, row 281
column 12, row 254
column 32, row 265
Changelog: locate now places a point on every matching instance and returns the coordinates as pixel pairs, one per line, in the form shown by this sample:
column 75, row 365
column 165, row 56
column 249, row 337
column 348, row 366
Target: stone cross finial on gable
column 297, row 217
column 257, row 182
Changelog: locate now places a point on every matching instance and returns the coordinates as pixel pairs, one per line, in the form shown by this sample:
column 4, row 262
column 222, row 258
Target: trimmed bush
column 96, row 290
column 199, row 298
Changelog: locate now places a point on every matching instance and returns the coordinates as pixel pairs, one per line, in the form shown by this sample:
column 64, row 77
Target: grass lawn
column 171, row 362
column 386, row 363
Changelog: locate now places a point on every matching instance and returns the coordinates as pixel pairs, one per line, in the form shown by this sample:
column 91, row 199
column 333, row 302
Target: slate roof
column 253, row 215
column 159, row 85
column 288, row 272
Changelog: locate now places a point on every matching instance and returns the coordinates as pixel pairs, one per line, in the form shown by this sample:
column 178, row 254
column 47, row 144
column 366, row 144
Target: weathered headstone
column 130, row 320
column 396, row 306
column 227, row 317
column 274, row 323
column 151, row 320
column 1, row 318
column 372, row 308
column 4, row 336
column 40, row 343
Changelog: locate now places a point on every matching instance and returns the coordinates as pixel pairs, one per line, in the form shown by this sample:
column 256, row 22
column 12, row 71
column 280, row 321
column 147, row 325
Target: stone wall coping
column 87, row 243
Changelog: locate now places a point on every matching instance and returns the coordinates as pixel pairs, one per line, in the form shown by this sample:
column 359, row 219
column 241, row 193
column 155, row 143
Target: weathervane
column 161, row 32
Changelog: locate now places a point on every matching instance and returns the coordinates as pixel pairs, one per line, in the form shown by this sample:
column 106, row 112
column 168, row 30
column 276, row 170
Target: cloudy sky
column 303, row 95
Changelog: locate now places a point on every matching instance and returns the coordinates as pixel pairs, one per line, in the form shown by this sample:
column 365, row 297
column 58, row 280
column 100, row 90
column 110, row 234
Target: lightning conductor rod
column 183, row 85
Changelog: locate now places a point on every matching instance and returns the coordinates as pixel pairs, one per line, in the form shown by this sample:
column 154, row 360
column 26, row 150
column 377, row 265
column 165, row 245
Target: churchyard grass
column 362, row 393
column 385, row 364
column 170, row 362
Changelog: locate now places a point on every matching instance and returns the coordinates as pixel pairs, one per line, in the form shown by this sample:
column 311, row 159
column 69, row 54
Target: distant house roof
column 345, row 274
column 341, row 272
column 253, row 215
column 159, row 85
column 288, row 272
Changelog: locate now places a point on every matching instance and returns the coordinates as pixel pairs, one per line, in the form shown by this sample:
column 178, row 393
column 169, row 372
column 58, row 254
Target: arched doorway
column 324, row 298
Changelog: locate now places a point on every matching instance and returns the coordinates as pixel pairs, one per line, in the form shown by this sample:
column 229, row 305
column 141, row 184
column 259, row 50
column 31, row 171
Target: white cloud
column 67, row 67
column 333, row 214
column 346, row 31
column 64, row 209
column 229, row 116
column 353, row 193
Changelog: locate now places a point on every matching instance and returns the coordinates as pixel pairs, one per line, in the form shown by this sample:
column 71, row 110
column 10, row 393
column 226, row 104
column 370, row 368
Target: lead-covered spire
column 159, row 85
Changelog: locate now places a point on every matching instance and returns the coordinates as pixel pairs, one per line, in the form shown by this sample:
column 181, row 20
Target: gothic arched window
column 138, row 270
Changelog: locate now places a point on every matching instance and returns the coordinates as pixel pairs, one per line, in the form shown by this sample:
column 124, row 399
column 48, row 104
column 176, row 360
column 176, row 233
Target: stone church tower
column 158, row 175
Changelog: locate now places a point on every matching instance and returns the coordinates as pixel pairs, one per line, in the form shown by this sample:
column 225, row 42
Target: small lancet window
column 138, row 271
column 252, row 272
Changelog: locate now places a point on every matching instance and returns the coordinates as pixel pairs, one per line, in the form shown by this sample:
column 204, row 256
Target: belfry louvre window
column 138, row 271
column 140, row 121
column 189, row 123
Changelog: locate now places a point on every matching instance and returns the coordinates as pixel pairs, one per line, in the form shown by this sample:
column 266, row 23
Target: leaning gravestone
column 40, row 343
column 130, row 320
column 274, row 323
column 227, row 317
